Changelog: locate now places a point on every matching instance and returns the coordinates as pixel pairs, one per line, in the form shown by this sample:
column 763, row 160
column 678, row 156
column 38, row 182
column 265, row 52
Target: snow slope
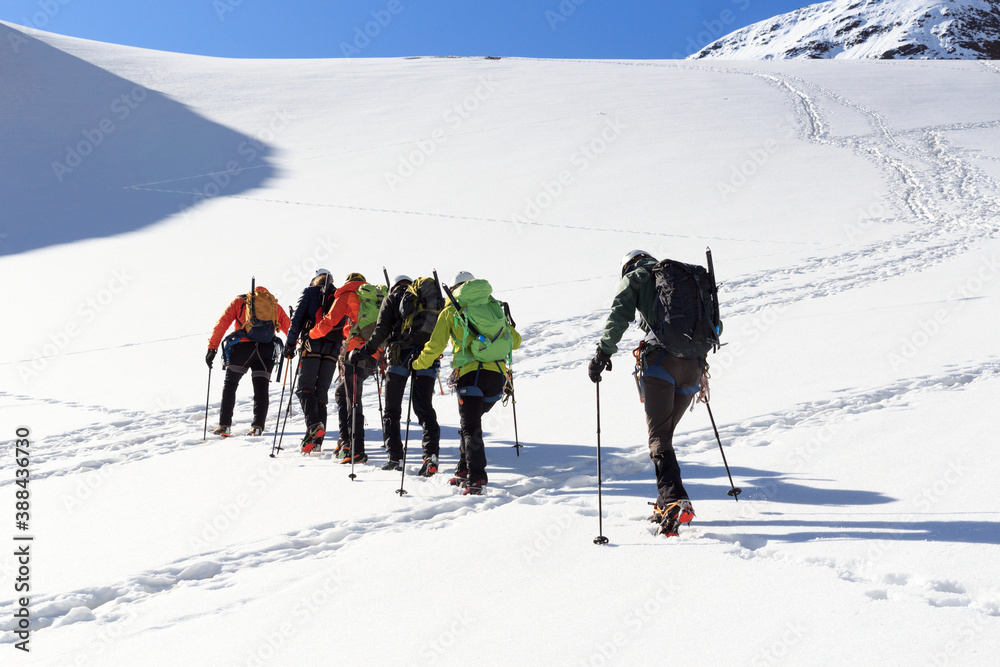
column 870, row 29
column 853, row 211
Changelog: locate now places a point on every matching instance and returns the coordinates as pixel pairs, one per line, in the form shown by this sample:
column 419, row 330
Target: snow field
column 857, row 258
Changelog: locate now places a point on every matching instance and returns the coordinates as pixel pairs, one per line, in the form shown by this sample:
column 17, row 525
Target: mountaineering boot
column 222, row 431
column 460, row 477
column 673, row 515
column 474, row 487
column 314, row 435
column 341, row 451
column 391, row 465
column 255, row 431
column 430, row 466
column 360, row 457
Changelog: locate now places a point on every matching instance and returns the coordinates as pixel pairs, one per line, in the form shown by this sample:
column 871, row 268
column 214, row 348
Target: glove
column 358, row 358
column 210, row 357
column 289, row 350
column 597, row 365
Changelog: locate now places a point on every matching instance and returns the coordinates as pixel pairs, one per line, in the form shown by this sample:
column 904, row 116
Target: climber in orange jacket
column 251, row 346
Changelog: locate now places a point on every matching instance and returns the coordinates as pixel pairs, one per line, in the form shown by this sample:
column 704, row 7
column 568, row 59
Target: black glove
column 597, row 365
column 289, row 350
column 357, row 357
column 210, row 357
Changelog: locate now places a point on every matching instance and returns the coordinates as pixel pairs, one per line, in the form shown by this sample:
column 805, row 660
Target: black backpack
column 687, row 323
column 419, row 308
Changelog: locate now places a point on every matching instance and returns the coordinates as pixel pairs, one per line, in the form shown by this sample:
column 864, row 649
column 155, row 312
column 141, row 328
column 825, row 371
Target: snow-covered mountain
column 871, row 29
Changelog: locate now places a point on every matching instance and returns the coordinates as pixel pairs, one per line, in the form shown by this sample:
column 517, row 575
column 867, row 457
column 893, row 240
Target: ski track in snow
column 948, row 206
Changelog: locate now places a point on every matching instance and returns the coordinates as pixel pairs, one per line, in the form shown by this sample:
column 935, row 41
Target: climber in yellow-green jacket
column 483, row 338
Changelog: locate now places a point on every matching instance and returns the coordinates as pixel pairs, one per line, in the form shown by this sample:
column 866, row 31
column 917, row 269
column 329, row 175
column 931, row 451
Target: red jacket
column 234, row 315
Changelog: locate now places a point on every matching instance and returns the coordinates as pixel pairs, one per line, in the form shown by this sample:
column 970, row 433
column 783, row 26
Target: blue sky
column 386, row 28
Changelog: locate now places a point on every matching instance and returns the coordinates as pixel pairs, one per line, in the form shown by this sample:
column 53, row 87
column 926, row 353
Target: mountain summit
column 870, row 29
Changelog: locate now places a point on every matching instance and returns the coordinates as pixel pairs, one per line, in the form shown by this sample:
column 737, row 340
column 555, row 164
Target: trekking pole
column 600, row 539
column 735, row 491
column 288, row 410
column 406, row 443
column 207, row 397
column 380, row 376
column 513, row 405
column 277, row 420
column 354, row 424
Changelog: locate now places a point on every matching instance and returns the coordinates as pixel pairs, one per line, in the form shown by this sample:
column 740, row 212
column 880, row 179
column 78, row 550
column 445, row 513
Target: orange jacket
column 346, row 303
column 234, row 315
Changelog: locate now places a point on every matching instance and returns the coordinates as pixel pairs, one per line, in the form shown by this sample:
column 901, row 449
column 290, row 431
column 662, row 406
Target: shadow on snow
column 76, row 138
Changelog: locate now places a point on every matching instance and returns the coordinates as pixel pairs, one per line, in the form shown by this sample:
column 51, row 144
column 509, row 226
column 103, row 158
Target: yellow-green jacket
column 449, row 326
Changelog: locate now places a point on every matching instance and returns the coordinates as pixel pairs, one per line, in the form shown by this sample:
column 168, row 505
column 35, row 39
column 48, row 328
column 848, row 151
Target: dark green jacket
column 637, row 291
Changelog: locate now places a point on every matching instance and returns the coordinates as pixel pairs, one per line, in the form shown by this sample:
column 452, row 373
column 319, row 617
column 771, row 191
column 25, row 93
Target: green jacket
column 448, row 326
column 636, row 291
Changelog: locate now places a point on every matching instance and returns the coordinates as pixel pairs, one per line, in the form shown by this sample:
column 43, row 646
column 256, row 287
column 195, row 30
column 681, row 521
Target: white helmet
column 320, row 272
column 400, row 278
column 631, row 257
column 462, row 277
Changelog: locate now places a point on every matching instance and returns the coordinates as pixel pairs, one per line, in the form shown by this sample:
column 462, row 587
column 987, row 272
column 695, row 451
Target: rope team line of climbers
column 396, row 333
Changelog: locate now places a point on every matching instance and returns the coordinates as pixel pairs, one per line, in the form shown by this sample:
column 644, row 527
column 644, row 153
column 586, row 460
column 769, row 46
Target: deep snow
column 853, row 212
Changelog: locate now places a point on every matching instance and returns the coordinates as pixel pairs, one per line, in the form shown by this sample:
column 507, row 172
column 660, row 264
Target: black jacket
column 389, row 325
column 310, row 310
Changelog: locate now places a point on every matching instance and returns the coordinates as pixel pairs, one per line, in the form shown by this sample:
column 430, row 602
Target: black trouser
column 422, row 387
column 258, row 358
column 348, row 401
column 669, row 385
column 478, row 392
column 316, row 372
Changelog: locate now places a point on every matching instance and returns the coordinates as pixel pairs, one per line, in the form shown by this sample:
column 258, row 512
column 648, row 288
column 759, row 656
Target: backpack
column 419, row 308
column 371, row 297
column 486, row 328
column 260, row 316
column 687, row 323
